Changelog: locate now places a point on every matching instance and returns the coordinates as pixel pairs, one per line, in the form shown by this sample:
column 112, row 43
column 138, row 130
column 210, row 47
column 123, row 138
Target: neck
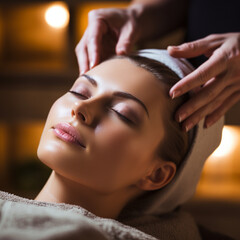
column 58, row 189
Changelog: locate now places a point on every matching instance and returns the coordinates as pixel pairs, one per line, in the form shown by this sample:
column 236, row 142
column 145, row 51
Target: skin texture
column 215, row 83
column 120, row 160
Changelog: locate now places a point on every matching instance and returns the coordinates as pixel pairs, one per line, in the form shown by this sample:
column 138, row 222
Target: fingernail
column 82, row 72
column 175, row 47
column 175, row 94
column 181, row 117
column 91, row 64
column 121, row 51
column 188, row 127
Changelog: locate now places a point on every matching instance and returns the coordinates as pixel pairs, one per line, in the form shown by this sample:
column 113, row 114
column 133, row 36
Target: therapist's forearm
column 158, row 17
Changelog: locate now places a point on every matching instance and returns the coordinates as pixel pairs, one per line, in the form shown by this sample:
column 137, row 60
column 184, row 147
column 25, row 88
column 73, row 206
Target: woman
column 114, row 147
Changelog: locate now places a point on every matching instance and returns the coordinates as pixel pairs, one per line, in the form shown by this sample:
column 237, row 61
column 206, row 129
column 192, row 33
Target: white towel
column 24, row 219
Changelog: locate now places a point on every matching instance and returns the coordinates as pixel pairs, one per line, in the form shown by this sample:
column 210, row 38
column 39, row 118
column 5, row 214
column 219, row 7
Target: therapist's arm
column 115, row 31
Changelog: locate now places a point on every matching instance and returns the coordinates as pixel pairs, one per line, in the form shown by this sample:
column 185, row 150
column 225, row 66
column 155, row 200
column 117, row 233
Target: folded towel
column 26, row 219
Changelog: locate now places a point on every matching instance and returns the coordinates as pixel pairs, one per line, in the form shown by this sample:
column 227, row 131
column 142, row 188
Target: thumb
column 126, row 40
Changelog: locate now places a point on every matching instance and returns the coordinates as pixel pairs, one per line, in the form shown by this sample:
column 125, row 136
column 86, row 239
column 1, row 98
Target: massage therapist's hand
column 110, row 31
column 216, row 82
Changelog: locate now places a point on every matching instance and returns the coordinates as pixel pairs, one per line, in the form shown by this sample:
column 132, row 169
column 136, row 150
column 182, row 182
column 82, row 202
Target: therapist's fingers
column 127, row 38
column 193, row 49
column 223, row 48
column 88, row 49
column 213, row 88
column 95, row 33
column 208, row 109
column 214, row 108
column 200, row 98
column 219, row 77
column 82, row 55
column 215, row 65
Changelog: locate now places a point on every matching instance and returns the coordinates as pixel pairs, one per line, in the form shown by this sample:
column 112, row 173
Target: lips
column 68, row 133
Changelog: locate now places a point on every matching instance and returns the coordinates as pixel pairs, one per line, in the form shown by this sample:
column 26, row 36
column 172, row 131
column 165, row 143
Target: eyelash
column 121, row 116
column 79, row 94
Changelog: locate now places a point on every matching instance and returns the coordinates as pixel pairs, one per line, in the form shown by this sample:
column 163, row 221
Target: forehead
column 124, row 75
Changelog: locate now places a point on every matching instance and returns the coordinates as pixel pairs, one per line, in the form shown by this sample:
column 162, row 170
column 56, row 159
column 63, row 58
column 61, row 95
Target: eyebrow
column 90, row 79
column 118, row 93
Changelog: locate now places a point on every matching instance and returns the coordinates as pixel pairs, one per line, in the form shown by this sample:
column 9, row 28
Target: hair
column 174, row 145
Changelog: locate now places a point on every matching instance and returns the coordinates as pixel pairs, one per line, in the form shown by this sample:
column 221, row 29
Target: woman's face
column 104, row 133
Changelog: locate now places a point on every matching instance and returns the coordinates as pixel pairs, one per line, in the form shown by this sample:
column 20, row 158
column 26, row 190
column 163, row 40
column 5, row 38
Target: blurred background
column 38, row 64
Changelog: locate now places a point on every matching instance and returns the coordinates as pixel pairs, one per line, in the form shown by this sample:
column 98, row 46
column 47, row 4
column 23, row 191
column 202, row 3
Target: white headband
column 204, row 142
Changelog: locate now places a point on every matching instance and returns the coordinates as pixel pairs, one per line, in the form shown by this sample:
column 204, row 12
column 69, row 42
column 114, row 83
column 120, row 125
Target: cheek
column 48, row 147
column 113, row 139
column 122, row 156
column 59, row 111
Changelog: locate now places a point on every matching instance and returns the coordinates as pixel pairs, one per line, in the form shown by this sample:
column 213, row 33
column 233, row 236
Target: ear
column 161, row 174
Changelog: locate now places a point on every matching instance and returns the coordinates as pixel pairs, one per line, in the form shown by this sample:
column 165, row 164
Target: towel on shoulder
column 26, row 219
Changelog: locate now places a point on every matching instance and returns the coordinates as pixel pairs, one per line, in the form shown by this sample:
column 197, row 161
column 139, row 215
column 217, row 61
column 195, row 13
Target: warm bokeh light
column 228, row 142
column 57, row 16
column 221, row 173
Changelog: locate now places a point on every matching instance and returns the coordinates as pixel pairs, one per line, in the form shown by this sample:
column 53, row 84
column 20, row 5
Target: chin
column 51, row 151
column 58, row 155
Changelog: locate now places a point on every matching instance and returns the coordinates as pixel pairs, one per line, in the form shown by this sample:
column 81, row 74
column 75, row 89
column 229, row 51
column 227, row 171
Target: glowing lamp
column 57, row 16
column 228, row 142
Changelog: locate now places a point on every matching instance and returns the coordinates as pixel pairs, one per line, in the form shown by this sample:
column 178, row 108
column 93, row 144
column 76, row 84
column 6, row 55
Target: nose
column 86, row 111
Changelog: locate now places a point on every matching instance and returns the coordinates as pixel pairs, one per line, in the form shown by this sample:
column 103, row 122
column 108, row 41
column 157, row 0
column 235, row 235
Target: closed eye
column 124, row 118
column 78, row 94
